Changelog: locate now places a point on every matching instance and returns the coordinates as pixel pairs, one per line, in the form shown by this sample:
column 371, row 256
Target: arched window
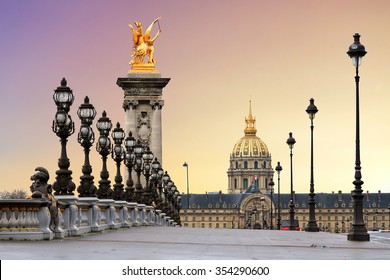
column 256, row 165
column 245, row 164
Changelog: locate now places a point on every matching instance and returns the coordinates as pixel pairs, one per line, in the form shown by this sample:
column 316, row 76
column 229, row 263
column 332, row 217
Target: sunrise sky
column 219, row 55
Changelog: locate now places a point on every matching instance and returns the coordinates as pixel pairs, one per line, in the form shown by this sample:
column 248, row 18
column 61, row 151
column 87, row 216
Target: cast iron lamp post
column 290, row 142
column 129, row 162
column 155, row 178
column 188, row 186
column 118, row 154
column 147, row 158
column 86, row 137
column 278, row 168
column 358, row 231
column 138, row 152
column 165, row 179
column 312, row 224
column 103, row 146
column 63, row 127
column 271, row 187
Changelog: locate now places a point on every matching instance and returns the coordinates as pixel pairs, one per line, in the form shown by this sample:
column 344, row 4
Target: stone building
column 250, row 159
column 249, row 202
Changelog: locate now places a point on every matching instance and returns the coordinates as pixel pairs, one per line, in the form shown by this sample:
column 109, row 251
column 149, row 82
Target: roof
column 323, row 200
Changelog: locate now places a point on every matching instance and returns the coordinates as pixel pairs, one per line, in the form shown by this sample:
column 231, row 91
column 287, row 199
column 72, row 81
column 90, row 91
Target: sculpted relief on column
column 144, row 129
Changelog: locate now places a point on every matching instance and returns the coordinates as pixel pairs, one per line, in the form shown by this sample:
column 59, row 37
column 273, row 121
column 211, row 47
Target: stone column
column 130, row 107
column 155, row 139
column 143, row 104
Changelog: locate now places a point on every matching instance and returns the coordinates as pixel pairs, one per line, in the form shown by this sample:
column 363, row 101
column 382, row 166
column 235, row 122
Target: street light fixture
column 103, row 146
column 86, row 137
column 358, row 231
column 312, row 224
column 188, row 186
column 138, row 151
column 290, row 142
column 278, row 168
column 147, row 159
column 271, row 187
column 129, row 162
column 63, row 127
column 118, row 155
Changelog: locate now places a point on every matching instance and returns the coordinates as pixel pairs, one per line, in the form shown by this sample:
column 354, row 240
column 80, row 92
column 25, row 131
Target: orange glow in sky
column 219, row 55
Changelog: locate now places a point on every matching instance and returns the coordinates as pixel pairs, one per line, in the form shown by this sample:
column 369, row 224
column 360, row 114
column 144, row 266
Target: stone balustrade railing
column 30, row 219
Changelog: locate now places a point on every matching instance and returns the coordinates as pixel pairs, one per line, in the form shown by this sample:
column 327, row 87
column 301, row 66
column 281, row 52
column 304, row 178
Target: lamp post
column 118, row 154
column 147, row 159
column 103, row 146
column 156, row 177
column 271, row 187
column 188, row 186
column 278, row 168
column 63, row 127
column 290, row 142
column 358, row 231
column 138, row 151
column 86, row 137
column 312, row 224
column 129, row 162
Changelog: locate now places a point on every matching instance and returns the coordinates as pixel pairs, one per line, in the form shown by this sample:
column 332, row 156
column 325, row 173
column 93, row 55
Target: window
column 256, row 165
column 235, row 183
column 210, row 219
column 216, row 225
column 245, row 164
column 245, row 183
column 236, row 164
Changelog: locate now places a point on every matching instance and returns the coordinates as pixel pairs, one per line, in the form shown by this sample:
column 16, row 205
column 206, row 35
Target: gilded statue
column 143, row 44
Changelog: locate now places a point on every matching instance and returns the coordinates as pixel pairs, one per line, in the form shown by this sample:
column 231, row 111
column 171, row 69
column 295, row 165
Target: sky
column 219, row 55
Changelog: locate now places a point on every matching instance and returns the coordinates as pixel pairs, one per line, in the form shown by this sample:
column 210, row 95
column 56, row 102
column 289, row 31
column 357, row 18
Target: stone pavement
column 167, row 243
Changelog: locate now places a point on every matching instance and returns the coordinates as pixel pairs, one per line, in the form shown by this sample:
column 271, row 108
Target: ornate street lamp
column 63, row 127
column 103, row 146
column 271, row 187
column 155, row 179
column 290, row 142
column 278, row 168
column 86, row 137
column 129, row 162
column 188, row 186
column 118, row 155
column 312, row 224
column 138, row 152
column 147, row 168
column 163, row 191
column 358, row 231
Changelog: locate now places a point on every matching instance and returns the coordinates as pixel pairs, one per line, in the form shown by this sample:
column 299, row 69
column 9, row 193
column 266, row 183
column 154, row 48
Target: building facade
column 250, row 203
column 334, row 211
column 250, row 160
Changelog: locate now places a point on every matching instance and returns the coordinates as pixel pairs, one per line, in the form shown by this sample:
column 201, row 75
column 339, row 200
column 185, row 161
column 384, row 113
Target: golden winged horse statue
column 143, row 43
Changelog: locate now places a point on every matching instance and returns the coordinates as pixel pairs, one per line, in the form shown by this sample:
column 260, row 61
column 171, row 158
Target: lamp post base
column 358, row 234
column 312, row 227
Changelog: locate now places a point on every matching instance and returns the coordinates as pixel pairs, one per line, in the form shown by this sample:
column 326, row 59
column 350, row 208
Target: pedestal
column 142, row 104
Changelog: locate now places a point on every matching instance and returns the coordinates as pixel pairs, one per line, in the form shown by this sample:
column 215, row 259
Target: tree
column 15, row 194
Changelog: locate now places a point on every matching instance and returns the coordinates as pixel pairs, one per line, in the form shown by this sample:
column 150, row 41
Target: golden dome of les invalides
column 250, row 145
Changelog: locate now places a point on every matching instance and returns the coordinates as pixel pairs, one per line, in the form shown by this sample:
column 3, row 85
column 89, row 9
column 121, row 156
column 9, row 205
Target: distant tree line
column 15, row 194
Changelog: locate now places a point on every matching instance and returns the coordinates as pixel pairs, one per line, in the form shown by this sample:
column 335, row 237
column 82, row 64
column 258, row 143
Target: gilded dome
column 250, row 145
